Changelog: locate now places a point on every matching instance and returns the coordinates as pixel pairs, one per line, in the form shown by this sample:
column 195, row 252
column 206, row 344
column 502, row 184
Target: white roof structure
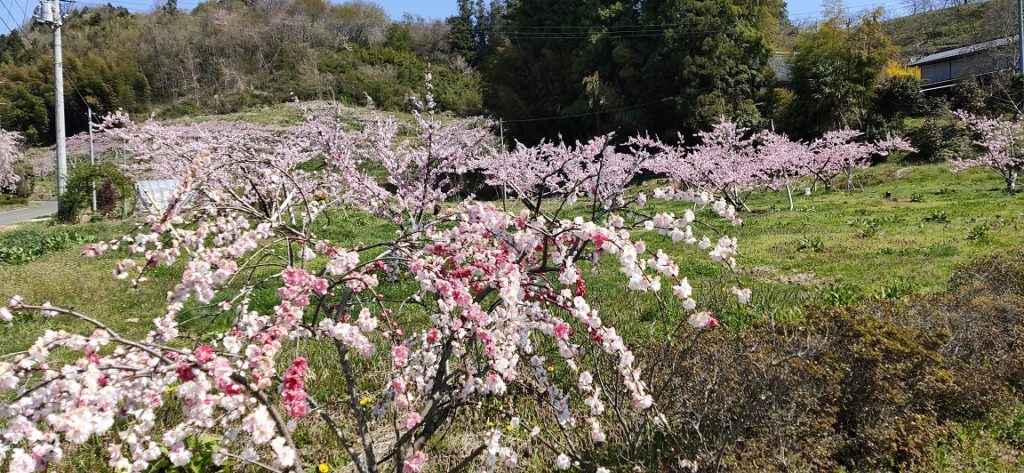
column 153, row 195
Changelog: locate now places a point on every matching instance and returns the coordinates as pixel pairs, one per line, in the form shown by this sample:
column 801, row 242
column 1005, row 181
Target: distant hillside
column 225, row 56
column 947, row 28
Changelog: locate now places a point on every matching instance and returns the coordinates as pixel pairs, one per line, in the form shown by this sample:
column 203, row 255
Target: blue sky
column 798, row 9
column 17, row 11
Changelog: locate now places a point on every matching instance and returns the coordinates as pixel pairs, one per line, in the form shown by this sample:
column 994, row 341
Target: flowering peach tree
column 840, row 152
column 469, row 309
column 10, row 152
column 1002, row 144
column 733, row 161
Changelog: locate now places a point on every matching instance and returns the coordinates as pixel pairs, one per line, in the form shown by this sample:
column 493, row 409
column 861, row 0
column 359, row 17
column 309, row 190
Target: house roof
column 964, row 51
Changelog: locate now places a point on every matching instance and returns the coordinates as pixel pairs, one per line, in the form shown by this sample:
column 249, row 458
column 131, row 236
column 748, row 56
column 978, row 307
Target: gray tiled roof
column 964, row 50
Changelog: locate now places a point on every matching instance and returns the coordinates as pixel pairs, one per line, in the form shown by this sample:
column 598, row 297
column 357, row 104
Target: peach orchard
column 470, row 305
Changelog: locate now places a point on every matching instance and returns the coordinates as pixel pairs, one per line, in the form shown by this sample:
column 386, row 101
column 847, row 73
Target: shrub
column 26, row 180
column 843, row 389
column 967, row 95
column 24, row 246
column 764, row 402
column 982, row 316
column 865, row 387
column 897, row 97
column 892, row 382
column 80, row 184
column 938, row 140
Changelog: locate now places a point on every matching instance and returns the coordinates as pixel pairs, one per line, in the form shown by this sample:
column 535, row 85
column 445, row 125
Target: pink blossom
column 294, row 395
column 204, row 353
column 319, row 286
column 561, row 330
column 415, row 463
column 702, row 320
column 399, row 355
column 411, row 419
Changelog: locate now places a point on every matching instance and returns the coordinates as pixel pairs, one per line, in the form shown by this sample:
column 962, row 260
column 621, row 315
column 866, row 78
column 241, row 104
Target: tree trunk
column 789, row 193
column 849, row 178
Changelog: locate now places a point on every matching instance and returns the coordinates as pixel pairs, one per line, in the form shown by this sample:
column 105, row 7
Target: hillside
column 947, row 28
column 228, row 56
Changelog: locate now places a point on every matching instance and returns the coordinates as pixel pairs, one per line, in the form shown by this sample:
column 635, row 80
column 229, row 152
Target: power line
column 16, row 23
column 67, row 77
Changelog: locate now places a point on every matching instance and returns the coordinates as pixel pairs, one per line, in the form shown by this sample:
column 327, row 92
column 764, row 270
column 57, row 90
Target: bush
column 938, row 140
column 898, row 97
column 750, row 401
column 7, row 199
column 26, row 180
column 892, row 384
column 982, row 316
column 79, row 189
column 967, row 95
column 24, row 246
column 844, row 389
column 865, row 387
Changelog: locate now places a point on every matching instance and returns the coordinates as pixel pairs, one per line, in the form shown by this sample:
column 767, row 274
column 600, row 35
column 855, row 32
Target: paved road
column 38, row 209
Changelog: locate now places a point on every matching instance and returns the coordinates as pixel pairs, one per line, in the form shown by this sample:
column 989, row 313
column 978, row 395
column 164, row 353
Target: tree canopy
column 665, row 66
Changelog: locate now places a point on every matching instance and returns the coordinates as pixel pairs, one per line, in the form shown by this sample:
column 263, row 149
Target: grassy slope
column 938, row 30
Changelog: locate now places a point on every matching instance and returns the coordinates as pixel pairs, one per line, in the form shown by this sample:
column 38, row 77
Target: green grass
column 868, row 239
column 10, row 202
column 835, row 247
column 993, row 444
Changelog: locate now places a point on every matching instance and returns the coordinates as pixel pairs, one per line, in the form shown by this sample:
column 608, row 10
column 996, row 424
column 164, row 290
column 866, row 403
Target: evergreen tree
column 663, row 66
column 835, row 70
column 460, row 34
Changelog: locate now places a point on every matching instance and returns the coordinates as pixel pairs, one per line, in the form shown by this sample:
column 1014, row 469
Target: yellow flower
column 323, row 468
column 551, row 369
column 510, row 427
column 365, row 400
column 490, row 424
column 171, row 388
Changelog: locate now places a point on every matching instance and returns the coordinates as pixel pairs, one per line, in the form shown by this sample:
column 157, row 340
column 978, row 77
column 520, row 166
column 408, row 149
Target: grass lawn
column 835, row 246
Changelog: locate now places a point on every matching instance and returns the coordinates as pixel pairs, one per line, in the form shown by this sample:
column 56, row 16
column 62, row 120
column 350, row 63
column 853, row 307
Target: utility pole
column 1020, row 35
column 49, row 12
column 92, row 160
column 2, row 103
